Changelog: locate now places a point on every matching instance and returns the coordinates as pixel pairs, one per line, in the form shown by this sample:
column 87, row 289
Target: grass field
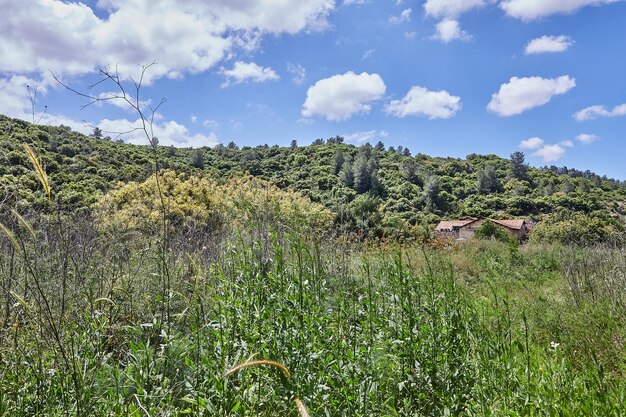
column 107, row 325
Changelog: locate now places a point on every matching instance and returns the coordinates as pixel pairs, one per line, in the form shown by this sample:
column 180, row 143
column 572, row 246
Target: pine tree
column 338, row 161
column 518, row 168
column 197, row 158
column 488, row 181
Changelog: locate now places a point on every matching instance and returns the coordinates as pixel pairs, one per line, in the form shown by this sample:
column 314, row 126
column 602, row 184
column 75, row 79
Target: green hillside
column 373, row 190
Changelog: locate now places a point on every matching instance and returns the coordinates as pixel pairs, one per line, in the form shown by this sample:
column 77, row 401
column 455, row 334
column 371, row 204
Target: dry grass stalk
column 38, row 168
column 11, row 237
column 301, row 408
column 259, row 362
column 24, row 223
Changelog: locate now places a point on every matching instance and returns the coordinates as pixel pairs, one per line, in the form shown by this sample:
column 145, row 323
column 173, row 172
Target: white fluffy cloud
column 586, row 138
column 550, row 153
column 593, row 112
column 15, row 102
column 532, row 143
column 547, row 152
column 536, row 9
column 366, row 136
column 248, row 71
column 548, row 44
column 521, row 94
column 168, row 133
column 422, row 102
column 448, row 30
column 343, row 95
column 69, row 37
column 450, row 8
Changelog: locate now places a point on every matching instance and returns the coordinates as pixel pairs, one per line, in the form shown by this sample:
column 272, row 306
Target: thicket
column 371, row 191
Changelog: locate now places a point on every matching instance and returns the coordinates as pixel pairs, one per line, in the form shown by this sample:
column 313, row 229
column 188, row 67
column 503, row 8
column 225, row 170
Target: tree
column 567, row 187
column 294, row 144
column 488, row 181
column 379, row 146
column 232, row 145
column 197, row 159
column 346, row 174
column 518, row 168
column 410, row 171
column 171, row 151
column 97, row 133
column 431, row 195
column 362, row 174
column 339, row 159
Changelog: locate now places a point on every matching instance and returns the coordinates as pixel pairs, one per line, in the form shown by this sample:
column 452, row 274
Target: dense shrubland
column 371, row 191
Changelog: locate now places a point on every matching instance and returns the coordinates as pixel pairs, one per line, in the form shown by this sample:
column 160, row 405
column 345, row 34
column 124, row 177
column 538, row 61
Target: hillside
column 375, row 190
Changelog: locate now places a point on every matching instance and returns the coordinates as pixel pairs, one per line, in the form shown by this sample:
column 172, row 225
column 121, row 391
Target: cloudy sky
column 441, row 77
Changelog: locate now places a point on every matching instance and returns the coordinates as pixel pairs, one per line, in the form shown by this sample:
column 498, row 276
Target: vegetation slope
column 372, row 190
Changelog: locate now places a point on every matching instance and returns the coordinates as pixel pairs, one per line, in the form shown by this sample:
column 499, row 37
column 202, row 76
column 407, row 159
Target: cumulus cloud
column 586, row 138
column 422, row 102
column 366, row 136
column 14, row 95
column 448, row 30
column 550, row 153
column 450, row 8
column 532, row 143
column 546, row 44
column 405, row 16
column 536, row 9
column 248, row 71
column 567, row 143
column 593, row 112
column 15, row 102
column 343, row 95
column 168, row 133
column 69, row 37
column 521, row 94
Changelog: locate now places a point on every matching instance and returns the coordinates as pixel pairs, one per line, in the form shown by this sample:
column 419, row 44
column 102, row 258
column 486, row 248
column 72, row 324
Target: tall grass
column 381, row 332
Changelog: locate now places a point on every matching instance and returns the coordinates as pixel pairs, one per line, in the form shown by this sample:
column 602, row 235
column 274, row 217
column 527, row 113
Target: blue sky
column 441, row 77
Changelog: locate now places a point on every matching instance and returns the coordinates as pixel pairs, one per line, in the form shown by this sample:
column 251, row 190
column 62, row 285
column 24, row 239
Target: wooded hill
column 372, row 190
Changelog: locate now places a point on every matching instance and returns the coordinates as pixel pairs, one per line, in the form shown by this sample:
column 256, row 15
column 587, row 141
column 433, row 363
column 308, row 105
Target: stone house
column 466, row 227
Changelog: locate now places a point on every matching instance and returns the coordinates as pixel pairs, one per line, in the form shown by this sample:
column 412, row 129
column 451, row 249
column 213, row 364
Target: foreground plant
column 266, row 362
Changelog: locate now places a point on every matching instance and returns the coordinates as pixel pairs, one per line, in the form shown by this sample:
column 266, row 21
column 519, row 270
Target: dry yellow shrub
column 203, row 203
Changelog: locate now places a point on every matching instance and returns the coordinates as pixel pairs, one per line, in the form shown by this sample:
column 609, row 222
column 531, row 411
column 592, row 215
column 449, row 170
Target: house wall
column 467, row 231
column 446, row 234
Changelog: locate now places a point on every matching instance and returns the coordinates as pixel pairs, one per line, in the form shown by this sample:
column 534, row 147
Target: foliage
column 518, row 168
column 490, row 230
column 362, row 333
column 577, row 228
column 411, row 189
column 488, row 181
column 195, row 203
